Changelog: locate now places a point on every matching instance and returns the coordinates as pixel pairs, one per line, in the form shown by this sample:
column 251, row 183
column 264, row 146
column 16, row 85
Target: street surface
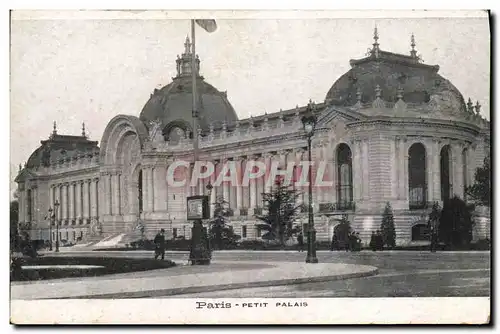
column 401, row 274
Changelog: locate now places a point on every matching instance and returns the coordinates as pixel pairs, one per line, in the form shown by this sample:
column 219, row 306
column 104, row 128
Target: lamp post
column 309, row 124
column 209, row 188
column 56, row 206
column 51, row 219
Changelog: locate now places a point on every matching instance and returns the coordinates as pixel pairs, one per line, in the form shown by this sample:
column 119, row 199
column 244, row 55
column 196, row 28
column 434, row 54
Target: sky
column 89, row 68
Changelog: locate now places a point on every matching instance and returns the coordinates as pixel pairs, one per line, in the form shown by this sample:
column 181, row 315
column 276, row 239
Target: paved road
column 401, row 274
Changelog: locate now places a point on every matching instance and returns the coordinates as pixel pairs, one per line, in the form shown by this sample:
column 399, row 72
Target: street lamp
column 56, row 206
column 51, row 219
column 309, row 124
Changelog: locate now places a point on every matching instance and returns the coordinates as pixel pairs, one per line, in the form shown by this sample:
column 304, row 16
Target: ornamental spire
column 376, row 45
column 470, row 106
column 187, row 46
column 478, row 108
column 83, row 130
column 54, row 131
column 413, row 52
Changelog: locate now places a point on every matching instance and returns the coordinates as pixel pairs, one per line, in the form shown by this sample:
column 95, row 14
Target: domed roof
column 174, row 102
column 59, row 147
column 392, row 74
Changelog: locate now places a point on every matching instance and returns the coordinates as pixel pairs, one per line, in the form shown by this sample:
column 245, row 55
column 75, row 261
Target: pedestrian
column 373, row 239
column 433, row 240
column 159, row 242
column 300, row 240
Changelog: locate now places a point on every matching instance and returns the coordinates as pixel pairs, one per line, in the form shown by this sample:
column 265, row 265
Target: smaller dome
column 59, row 147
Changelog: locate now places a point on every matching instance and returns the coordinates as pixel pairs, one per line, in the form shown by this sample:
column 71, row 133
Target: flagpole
column 195, row 111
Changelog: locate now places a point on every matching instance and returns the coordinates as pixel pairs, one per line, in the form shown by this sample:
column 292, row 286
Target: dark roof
column 391, row 71
column 59, row 147
column 174, row 103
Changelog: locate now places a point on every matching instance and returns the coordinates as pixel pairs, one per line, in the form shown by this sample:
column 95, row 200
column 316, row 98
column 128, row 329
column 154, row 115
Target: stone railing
column 226, row 137
column 69, row 164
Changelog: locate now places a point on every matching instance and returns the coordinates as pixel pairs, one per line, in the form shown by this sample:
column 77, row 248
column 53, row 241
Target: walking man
column 160, row 244
column 300, row 240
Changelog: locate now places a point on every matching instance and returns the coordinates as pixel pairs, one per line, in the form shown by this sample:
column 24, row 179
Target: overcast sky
column 89, row 70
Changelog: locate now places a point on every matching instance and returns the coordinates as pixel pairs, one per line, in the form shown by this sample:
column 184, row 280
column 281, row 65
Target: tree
column 221, row 233
column 480, row 191
column 455, row 223
column 14, row 219
column 281, row 212
column 432, row 224
column 200, row 252
column 387, row 227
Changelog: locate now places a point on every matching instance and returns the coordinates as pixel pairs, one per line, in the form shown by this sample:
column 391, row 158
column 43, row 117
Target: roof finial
column 470, row 106
column 375, row 43
column 83, row 130
column 478, row 107
column 413, row 52
column 187, row 46
column 20, row 167
column 54, row 132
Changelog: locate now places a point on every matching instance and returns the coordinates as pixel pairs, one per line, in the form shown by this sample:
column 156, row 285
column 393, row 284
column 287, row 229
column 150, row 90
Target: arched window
column 140, row 191
column 445, row 172
column 417, row 176
column 420, row 232
column 344, row 177
column 176, row 134
column 464, row 171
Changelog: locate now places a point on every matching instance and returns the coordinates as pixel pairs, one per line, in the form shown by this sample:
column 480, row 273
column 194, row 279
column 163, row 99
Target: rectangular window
column 243, row 231
column 259, row 232
column 81, row 234
column 174, row 233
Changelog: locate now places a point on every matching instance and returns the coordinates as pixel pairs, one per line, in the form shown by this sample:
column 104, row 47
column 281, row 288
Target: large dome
column 173, row 103
column 419, row 83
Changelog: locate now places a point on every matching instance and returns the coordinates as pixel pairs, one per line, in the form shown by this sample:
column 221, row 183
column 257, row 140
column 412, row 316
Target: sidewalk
column 165, row 282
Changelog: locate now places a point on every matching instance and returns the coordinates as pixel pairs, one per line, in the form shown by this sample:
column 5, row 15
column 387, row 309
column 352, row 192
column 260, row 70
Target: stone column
column 213, row 194
column 356, row 172
column 85, row 201
column 405, row 169
column 34, row 210
column 91, row 198
column 402, row 162
column 225, row 184
column 64, row 201
column 151, row 192
column 267, row 159
column 71, row 188
column 95, row 198
column 78, row 199
column 458, row 184
column 365, row 167
column 145, row 190
column 394, row 169
column 238, row 187
column 115, row 193
column 298, row 175
column 429, row 165
column 253, row 191
column 436, row 170
column 333, row 175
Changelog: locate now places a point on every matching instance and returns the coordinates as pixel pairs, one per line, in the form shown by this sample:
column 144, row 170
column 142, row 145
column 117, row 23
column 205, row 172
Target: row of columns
column 250, row 196
column 111, row 191
column 77, row 199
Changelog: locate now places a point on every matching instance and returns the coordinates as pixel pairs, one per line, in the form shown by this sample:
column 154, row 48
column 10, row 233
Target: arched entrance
column 417, row 176
column 445, row 158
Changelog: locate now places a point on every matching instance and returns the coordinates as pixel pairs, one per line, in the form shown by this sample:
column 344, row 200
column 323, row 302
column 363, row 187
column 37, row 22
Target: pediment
column 24, row 176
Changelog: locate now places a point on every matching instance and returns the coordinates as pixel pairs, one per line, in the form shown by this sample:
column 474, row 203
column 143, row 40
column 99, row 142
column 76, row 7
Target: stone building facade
column 391, row 129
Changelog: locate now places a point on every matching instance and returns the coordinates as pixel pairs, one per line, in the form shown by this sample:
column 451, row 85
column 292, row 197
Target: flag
column 208, row 25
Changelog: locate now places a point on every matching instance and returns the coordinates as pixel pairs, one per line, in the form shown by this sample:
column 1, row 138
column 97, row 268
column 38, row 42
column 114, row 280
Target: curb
column 224, row 287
